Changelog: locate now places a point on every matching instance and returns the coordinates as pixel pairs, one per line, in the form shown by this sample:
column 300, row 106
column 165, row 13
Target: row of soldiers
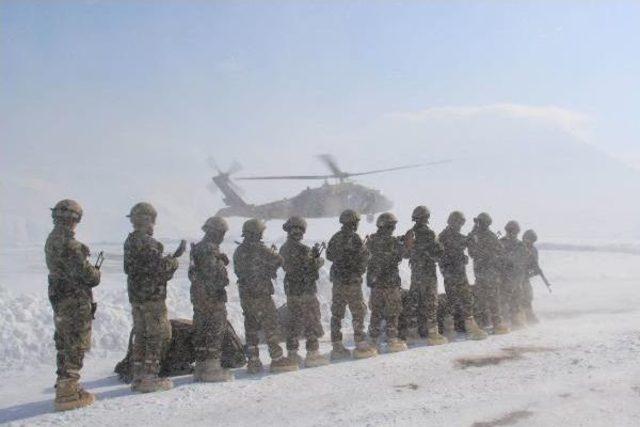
column 502, row 268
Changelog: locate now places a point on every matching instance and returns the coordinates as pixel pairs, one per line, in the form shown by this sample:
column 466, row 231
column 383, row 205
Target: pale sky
column 97, row 93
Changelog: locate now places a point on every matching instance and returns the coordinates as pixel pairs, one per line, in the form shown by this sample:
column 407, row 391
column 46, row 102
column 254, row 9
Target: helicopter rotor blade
column 234, row 168
column 399, row 168
column 332, row 164
column 213, row 165
column 275, row 177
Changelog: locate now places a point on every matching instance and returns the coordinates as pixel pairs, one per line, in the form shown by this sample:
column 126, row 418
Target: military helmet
column 386, row 219
column 530, row 235
column 456, row 216
column 420, row 212
column 67, row 208
column 512, row 227
column 484, row 218
column 143, row 209
column 349, row 216
column 253, row 226
column 294, row 221
column 216, row 223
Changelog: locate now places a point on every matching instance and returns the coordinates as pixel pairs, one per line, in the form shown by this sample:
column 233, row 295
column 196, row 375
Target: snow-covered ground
column 579, row 366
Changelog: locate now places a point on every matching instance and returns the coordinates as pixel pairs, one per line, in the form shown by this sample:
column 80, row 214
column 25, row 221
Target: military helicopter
column 326, row 201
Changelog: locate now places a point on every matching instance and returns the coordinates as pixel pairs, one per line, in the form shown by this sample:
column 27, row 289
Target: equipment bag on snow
column 181, row 355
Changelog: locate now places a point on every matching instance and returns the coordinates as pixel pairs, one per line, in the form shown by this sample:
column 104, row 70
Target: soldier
column 208, row 276
column 301, row 265
column 383, row 277
column 425, row 251
column 256, row 266
column 71, row 278
column 486, row 251
column 148, row 272
column 513, row 274
column 453, row 266
column 349, row 257
column 532, row 269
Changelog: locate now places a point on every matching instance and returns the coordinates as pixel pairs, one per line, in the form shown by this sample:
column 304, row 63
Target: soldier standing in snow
column 533, row 269
column 453, row 265
column 256, row 266
column 301, row 265
column 425, row 251
column 71, row 279
column 208, row 276
column 148, row 272
column 513, row 274
column 349, row 258
column 487, row 252
column 383, row 277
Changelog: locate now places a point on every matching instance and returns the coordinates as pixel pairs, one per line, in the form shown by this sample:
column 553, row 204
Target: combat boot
column 532, row 319
column 151, row 383
column 138, row 373
column 500, row 328
column 473, row 330
column 518, row 320
column 254, row 365
column 434, row 337
column 283, row 364
column 339, row 351
column 294, row 357
column 70, row 395
column 315, row 359
column 210, row 371
column 364, row 350
column 449, row 328
column 413, row 337
column 396, row 345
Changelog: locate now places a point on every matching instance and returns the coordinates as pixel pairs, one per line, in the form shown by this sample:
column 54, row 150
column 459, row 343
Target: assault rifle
column 180, row 250
column 544, row 279
column 317, row 249
column 98, row 265
column 99, row 260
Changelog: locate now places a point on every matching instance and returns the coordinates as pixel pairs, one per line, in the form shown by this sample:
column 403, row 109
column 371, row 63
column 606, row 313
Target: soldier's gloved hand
column 224, row 258
column 171, row 264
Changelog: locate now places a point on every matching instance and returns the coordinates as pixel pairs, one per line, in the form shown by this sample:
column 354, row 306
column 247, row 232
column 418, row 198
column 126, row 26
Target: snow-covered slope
column 580, row 366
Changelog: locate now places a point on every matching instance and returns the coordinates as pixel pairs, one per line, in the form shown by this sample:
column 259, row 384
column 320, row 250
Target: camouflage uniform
column 255, row 266
column 148, row 272
column 453, row 268
column 349, row 257
column 71, row 278
column 301, row 267
column 383, row 278
column 486, row 251
column 513, row 275
column 532, row 269
column 425, row 252
column 208, row 276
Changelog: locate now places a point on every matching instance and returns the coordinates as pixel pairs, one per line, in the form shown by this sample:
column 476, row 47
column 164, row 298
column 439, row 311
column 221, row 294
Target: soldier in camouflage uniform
column 148, row 272
column 383, row 277
column 208, row 276
column 453, row 265
column 256, row 267
column 301, row 265
column 71, row 278
column 513, row 274
column 349, row 258
column 487, row 253
column 425, row 251
column 529, row 239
